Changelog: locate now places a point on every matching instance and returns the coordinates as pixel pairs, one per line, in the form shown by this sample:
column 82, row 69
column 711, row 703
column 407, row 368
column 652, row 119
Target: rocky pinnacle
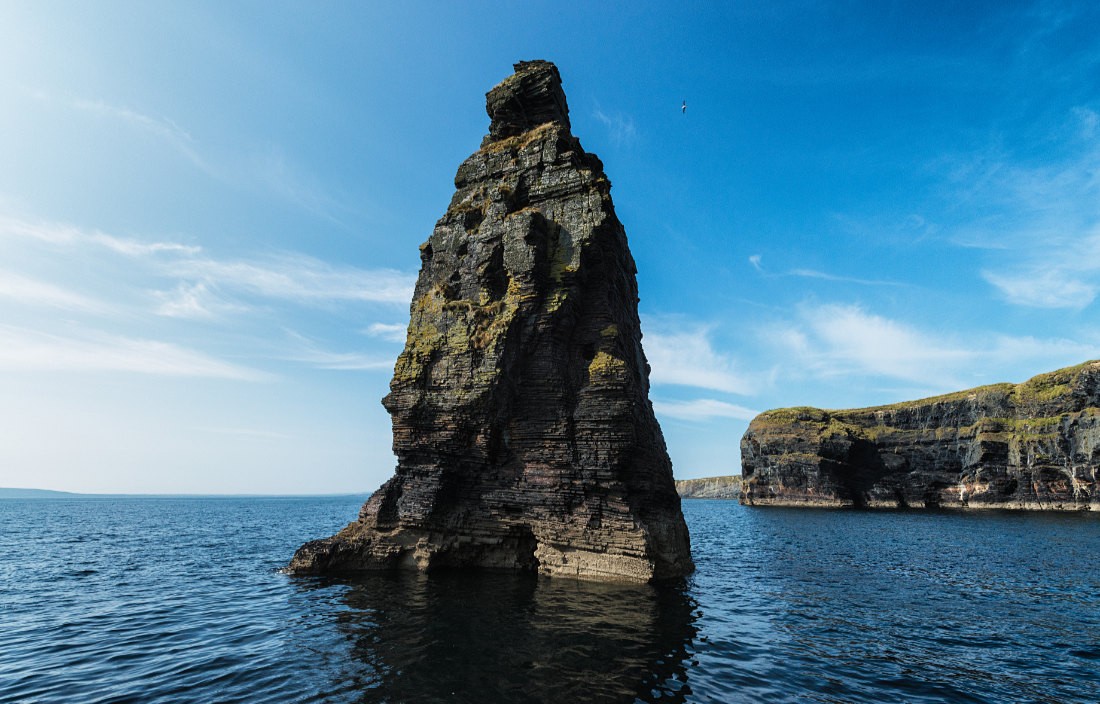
column 522, row 426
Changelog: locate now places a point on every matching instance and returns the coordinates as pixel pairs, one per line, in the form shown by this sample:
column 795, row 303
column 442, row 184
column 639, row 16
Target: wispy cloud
column 686, row 357
column 196, row 278
column 120, row 288
column 273, row 170
column 161, row 127
column 1036, row 218
column 620, row 127
column 297, row 186
column 702, row 409
column 1042, row 287
column 32, row 292
column 196, row 300
column 390, row 332
column 23, row 350
column 308, row 351
column 757, row 260
column 846, row 341
column 1059, row 274
column 298, row 277
column 814, row 274
column 62, row 234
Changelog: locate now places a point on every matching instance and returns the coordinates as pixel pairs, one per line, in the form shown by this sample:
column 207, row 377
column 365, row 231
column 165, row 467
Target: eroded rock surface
column 726, row 487
column 1034, row 445
column 521, row 421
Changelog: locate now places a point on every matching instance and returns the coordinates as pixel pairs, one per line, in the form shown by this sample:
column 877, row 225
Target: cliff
column 727, row 487
column 522, row 425
column 1034, row 445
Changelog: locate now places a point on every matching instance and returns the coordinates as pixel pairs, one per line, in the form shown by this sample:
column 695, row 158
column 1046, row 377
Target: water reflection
column 502, row 637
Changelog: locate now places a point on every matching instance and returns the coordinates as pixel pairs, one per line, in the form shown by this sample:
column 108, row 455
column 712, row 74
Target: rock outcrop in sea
column 522, row 425
column 1034, row 445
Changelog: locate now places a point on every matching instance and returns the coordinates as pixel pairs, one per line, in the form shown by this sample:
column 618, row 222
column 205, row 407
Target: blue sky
column 210, row 214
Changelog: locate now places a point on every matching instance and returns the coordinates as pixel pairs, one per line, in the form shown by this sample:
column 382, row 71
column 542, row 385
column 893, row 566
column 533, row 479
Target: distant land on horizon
column 11, row 493
column 724, row 487
column 703, row 487
column 18, row 493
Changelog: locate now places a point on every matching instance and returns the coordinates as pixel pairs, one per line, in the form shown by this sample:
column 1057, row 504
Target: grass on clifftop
column 1040, row 388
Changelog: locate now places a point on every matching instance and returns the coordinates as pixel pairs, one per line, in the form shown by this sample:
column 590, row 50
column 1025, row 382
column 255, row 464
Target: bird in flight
column 684, row 108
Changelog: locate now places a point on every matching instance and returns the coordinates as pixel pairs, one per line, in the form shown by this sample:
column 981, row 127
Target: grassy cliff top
column 1040, row 389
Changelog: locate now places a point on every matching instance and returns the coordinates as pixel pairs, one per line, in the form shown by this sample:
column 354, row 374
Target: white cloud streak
column 814, row 274
column 309, row 352
column 24, row 350
column 837, row 341
column 702, row 409
column 1039, row 222
column 621, row 128
column 288, row 276
column 756, row 261
column 301, row 278
column 61, row 234
column 163, row 128
column 687, row 358
column 871, row 343
column 1068, row 277
column 390, row 332
column 196, row 301
column 149, row 284
column 272, row 170
column 296, row 187
column 38, row 293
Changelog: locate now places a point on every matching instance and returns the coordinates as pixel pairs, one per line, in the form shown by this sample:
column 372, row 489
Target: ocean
column 183, row 600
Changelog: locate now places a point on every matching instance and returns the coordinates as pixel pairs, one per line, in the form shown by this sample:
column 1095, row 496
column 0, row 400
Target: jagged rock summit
column 522, row 425
column 1034, row 445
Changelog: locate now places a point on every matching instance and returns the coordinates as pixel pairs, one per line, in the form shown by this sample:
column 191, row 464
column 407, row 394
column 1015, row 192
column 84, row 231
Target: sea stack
column 522, row 425
column 1034, row 445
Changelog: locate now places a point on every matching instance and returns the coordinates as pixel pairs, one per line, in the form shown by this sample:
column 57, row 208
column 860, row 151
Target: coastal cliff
column 522, row 425
column 1034, row 445
column 727, row 487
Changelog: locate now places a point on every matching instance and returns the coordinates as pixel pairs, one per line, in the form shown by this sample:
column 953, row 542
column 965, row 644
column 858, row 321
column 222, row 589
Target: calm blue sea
column 182, row 600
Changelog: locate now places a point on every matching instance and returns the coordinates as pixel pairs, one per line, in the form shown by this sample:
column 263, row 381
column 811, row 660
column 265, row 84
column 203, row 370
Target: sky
column 210, row 214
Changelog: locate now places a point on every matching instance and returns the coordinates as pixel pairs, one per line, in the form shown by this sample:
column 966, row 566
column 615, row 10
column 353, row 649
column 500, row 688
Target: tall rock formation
column 522, row 425
column 1034, row 445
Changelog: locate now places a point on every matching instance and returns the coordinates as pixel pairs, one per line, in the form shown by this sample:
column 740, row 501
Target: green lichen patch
column 1051, row 386
column 785, row 416
column 974, row 394
column 606, row 365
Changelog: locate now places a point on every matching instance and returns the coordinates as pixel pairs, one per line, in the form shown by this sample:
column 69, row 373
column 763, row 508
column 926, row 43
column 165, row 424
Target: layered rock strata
column 727, row 487
column 1034, row 445
column 522, row 426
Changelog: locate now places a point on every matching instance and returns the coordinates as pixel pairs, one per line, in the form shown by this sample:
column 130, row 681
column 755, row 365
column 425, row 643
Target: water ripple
column 182, row 600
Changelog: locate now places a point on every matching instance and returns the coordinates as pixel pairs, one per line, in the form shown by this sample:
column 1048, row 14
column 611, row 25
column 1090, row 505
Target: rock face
column 1034, row 445
column 521, row 421
column 728, row 487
